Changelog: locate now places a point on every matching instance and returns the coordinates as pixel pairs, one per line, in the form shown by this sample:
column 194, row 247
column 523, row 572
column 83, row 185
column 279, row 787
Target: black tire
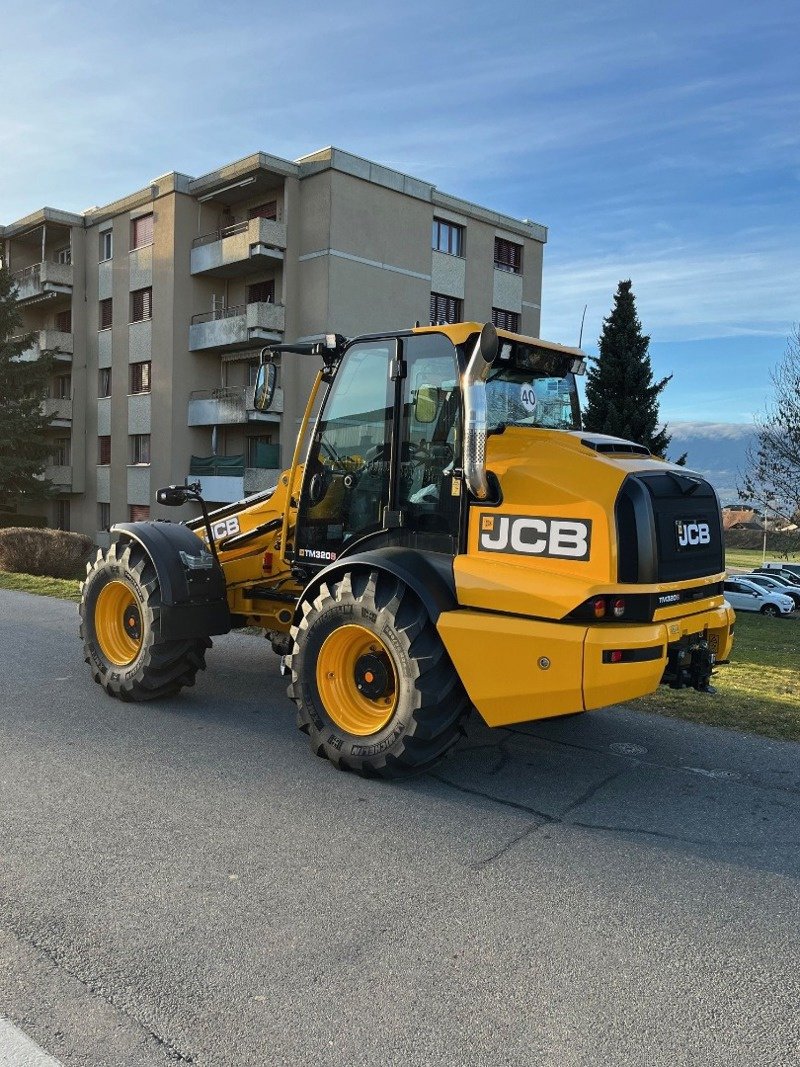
column 158, row 668
column 430, row 699
column 770, row 610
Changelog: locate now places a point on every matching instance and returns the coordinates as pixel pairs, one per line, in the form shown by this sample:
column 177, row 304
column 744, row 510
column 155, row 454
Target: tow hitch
column 690, row 662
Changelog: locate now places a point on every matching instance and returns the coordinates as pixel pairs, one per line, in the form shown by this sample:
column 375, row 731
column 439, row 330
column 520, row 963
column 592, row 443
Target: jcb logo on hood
column 692, row 534
column 524, row 535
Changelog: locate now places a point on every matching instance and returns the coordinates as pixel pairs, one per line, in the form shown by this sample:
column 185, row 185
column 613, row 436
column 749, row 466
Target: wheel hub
column 372, row 675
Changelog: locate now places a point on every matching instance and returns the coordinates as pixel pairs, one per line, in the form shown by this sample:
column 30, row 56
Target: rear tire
column 119, row 609
column 374, row 687
column 770, row 610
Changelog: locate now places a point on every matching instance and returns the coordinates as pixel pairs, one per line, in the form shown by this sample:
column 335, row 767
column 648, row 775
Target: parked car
column 775, row 565
column 778, row 582
column 743, row 595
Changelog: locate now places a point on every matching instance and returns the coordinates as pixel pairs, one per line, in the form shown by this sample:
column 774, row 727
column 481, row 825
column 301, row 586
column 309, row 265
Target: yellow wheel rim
column 118, row 624
column 357, row 680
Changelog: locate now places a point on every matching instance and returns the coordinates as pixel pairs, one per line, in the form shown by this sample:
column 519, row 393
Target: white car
column 776, row 583
column 744, row 596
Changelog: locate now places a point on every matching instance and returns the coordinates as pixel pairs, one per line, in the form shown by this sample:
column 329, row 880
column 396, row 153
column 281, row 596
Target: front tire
column 770, row 611
column 374, row 687
column 119, row 609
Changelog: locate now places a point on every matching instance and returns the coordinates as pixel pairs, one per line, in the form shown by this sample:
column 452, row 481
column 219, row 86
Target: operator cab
column 384, row 464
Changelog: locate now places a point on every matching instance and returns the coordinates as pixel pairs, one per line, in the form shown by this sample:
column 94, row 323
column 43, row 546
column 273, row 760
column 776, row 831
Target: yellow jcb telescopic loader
column 451, row 538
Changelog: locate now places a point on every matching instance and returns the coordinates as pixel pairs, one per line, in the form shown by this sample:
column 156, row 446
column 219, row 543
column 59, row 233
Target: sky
column 659, row 143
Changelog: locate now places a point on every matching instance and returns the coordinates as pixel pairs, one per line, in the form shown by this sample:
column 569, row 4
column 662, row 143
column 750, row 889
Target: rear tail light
column 598, row 607
column 618, row 607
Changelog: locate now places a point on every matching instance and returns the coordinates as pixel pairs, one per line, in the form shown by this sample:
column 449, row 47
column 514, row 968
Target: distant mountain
column 717, row 450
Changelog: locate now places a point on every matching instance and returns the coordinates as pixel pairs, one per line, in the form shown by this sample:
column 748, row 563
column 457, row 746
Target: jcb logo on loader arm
column 524, row 535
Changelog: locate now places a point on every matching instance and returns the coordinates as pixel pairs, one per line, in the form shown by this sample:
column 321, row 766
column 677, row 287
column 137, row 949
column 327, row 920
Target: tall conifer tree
column 621, row 397
column 24, row 448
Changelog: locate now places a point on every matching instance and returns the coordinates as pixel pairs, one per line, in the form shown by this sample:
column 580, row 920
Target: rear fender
column 430, row 576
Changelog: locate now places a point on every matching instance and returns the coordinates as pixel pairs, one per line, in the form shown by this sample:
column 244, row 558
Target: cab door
column 346, row 483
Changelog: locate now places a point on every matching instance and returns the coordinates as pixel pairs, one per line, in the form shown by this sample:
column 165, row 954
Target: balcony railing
column 220, row 313
column 239, row 249
column 43, row 279
column 55, row 341
column 219, row 235
column 227, row 406
column 217, row 466
column 228, row 329
column 59, row 408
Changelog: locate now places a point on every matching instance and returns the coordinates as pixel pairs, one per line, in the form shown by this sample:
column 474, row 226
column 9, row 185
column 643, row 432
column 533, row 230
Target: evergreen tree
column 621, row 397
column 24, row 448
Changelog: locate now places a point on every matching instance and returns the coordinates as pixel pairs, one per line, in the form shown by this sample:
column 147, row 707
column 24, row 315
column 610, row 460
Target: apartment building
column 157, row 307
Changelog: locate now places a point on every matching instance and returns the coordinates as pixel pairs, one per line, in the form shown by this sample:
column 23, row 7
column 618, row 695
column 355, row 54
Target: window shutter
column 105, row 314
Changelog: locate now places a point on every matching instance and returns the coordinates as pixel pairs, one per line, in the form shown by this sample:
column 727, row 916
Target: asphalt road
column 184, row 882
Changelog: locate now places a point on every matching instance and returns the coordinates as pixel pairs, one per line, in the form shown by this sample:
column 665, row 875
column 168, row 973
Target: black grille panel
column 649, row 509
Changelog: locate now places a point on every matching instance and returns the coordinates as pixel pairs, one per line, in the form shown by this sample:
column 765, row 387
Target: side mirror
column 172, row 496
column 426, row 404
column 264, row 392
column 489, row 342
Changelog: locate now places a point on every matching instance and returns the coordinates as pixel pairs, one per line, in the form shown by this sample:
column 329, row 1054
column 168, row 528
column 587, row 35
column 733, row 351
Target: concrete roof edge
column 36, row 218
column 535, row 230
column 240, row 167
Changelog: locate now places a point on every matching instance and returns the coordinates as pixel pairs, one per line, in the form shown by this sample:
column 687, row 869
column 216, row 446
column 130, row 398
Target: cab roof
column 460, row 332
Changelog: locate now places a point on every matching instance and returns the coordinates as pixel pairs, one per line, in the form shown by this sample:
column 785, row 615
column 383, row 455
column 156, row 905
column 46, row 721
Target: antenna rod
column 583, row 319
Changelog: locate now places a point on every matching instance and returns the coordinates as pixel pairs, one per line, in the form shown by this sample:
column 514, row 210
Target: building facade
column 158, row 305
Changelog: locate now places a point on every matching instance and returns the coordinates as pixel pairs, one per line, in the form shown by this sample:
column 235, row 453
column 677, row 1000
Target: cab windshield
column 530, row 386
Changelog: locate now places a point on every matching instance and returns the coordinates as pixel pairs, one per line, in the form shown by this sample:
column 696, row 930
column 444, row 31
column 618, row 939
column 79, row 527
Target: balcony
column 60, row 476
column 227, row 329
column 239, row 249
column 60, row 410
column 228, row 407
column 55, row 341
column 43, row 281
column 225, row 479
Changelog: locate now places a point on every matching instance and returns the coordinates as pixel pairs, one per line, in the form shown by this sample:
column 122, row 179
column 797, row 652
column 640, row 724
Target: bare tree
column 773, row 475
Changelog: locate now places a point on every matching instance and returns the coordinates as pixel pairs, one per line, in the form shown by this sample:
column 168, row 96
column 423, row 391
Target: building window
column 62, row 387
column 105, row 314
column 104, row 381
column 448, row 237
column 444, row 309
column 264, row 211
column 507, row 256
column 64, row 321
column 140, row 449
column 103, row 451
column 141, row 231
column 261, row 293
column 106, row 245
column 64, row 255
column 140, row 377
column 62, row 452
column 138, row 512
column 506, row 320
column 104, row 517
column 62, row 514
column 141, row 304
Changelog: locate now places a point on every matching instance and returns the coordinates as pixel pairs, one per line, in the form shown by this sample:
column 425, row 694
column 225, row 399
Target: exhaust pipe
column 473, row 386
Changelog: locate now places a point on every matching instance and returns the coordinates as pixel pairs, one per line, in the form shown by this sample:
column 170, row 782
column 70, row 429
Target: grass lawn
column 758, row 691
column 62, row 588
column 750, row 558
